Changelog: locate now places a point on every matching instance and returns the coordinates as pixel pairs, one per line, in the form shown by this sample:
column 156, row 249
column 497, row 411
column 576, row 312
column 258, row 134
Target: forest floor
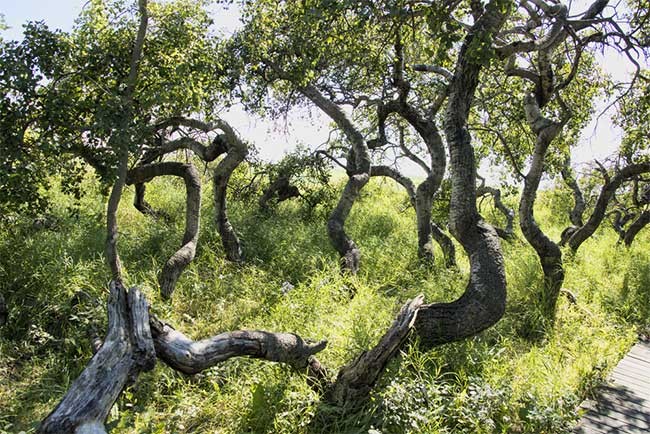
column 521, row 376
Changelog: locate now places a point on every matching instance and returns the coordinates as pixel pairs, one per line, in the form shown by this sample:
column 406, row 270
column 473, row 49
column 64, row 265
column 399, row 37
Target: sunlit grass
column 519, row 376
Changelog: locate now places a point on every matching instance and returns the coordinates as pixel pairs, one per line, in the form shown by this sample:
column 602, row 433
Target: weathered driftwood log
column 126, row 351
column 183, row 256
column 133, row 341
column 356, row 379
column 183, row 354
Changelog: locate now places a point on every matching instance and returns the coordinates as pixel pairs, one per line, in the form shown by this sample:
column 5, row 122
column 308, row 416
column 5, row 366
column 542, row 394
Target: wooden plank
column 633, row 365
column 642, row 351
column 613, row 425
column 630, row 417
column 634, row 388
column 632, row 378
column 639, row 359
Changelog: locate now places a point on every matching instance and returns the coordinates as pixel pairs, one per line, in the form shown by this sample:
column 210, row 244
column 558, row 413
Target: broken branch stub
column 356, row 379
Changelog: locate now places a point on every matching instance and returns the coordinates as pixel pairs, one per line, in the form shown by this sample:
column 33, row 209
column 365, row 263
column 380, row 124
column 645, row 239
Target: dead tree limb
column 127, row 350
column 185, row 254
column 356, row 379
column 190, row 357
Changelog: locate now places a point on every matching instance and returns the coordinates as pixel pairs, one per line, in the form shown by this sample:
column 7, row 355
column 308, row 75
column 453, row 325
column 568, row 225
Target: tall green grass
column 519, row 376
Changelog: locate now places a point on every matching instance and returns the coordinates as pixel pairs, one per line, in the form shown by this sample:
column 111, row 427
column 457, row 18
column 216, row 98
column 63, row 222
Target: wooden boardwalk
column 623, row 404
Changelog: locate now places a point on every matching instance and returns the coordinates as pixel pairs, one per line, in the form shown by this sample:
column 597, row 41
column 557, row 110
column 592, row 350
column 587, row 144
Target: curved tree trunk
column 575, row 216
column 606, row 193
column 446, row 244
column 484, row 300
column 183, row 256
column 358, row 176
column 140, row 203
column 506, row 233
column 549, row 253
column 237, row 151
column 636, row 227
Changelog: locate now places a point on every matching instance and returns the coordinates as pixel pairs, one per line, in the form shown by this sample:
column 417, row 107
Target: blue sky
column 274, row 138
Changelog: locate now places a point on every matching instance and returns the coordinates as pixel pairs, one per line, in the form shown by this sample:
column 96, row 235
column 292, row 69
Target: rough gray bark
column 506, row 233
column 356, row 379
column 237, row 151
column 190, row 357
column 635, row 227
column 549, row 253
column 127, row 350
column 185, row 254
column 358, row 176
column 483, row 302
column 578, row 199
column 120, row 142
column 606, row 194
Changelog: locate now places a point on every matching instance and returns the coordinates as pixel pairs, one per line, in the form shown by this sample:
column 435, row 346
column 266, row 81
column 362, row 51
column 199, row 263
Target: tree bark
column 506, row 233
column 549, row 253
column 636, row 227
column 358, row 176
column 575, row 216
column 483, row 302
column 140, row 203
column 185, row 254
column 237, row 151
column 606, row 194
column 190, row 357
column 127, row 350
column 446, row 244
column 120, row 142
column 4, row 311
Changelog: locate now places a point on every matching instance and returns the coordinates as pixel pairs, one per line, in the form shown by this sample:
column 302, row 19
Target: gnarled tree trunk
column 483, row 302
column 549, row 253
column 635, row 227
column 606, row 193
column 506, row 233
column 358, row 176
column 183, row 256
column 237, row 151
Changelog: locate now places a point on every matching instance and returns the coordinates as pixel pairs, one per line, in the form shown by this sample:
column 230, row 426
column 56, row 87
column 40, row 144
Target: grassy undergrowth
column 519, row 376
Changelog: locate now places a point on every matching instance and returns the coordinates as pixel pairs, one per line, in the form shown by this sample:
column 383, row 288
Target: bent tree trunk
column 483, row 302
column 4, row 312
column 183, row 256
column 237, row 151
column 422, row 215
column 635, row 228
column 606, row 193
column 549, row 253
column 358, row 176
